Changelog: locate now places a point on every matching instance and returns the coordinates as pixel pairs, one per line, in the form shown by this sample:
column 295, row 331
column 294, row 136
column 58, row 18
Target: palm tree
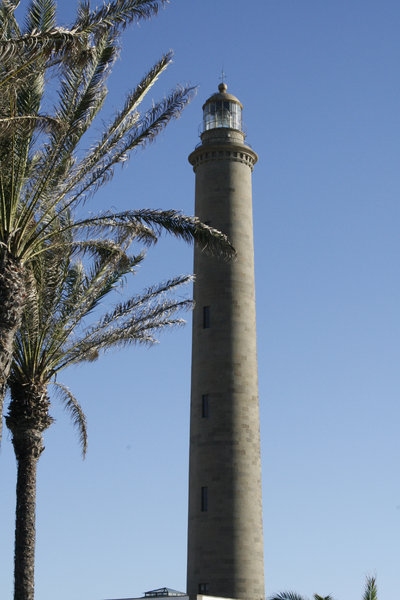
column 60, row 327
column 53, row 83
column 370, row 593
column 294, row 596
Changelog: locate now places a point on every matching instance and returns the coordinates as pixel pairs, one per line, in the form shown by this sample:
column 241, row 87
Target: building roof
column 163, row 592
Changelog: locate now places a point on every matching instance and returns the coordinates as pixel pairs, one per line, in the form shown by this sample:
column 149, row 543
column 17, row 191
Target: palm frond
column 40, row 122
column 85, row 294
column 42, row 37
column 127, row 334
column 8, row 23
column 122, row 123
column 188, row 228
column 40, row 328
column 99, row 248
column 82, row 92
column 41, row 16
column 82, row 102
column 145, row 225
column 286, row 596
column 38, row 45
column 116, row 14
column 75, row 411
column 98, row 168
column 64, row 293
column 82, row 88
column 127, row 223
column 371, row 590
column 130, row 322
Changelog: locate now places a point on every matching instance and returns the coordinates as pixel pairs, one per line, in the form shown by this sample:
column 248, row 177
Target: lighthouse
column 225, row 532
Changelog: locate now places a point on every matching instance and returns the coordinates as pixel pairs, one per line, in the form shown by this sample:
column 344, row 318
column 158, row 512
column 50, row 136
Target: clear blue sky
column 319, row 80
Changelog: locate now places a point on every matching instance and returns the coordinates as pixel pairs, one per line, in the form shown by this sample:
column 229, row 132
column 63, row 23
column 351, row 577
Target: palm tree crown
column 63, row 324
column 294, row 596
column 53, row 83
column 370, row 593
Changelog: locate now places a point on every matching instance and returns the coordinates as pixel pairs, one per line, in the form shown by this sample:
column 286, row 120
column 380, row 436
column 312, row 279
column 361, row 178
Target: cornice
column 214, row 152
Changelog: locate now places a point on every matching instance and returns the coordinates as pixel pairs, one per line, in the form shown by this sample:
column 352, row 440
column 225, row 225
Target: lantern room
column 222, row 110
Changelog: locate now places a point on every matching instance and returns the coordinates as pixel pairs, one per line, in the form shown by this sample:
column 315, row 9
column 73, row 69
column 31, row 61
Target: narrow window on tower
column 203, row 588
column 206, row 317
column 204, row 499
column 204, row 406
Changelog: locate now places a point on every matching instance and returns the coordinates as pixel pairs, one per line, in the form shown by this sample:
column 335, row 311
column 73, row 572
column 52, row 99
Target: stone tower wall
column 225, row 537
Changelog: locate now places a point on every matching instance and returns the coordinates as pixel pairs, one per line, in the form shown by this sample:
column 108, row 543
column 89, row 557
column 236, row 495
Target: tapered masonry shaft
column 225, row 533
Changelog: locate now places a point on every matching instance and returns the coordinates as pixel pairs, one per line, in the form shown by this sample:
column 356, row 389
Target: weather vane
column 223, row 75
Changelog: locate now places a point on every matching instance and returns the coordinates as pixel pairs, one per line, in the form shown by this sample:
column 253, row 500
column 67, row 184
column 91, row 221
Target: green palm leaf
column 286, row 596
column 371, row 590
column 41, row 16
column 117, row 14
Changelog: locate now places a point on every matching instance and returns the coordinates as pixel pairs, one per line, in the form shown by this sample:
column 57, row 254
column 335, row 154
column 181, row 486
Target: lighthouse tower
column 225, row 535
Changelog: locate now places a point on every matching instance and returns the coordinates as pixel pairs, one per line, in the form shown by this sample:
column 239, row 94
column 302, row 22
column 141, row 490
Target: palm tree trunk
column 12, row 298
column 28, row 448
column 28, row 417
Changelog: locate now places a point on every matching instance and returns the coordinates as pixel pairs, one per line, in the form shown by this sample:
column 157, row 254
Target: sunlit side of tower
column 225, row 535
